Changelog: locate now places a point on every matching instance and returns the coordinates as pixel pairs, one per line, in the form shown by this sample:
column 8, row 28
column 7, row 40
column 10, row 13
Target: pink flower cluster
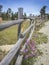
column 29, row 52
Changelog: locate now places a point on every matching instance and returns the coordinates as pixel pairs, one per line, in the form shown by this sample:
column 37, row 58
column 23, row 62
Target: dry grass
column 10, row 35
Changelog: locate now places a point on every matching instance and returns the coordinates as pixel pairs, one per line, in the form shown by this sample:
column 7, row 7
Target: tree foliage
column 8, row 15
column 0, row 9
column 43, row 11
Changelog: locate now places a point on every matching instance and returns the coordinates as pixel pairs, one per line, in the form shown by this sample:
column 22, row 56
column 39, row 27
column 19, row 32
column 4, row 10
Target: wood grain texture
column 10, row 23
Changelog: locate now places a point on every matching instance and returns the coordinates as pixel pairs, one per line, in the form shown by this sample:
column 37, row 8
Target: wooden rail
column 10, row 23
column 13, row 22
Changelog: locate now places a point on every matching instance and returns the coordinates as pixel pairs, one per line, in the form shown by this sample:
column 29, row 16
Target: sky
column 30, row 6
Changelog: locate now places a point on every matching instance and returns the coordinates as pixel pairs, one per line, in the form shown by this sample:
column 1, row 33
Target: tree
column 4, row 16
column 9, row 13
column 16, row 15
column 12, row 16
column 25, row 14
column 0, row 9
column 43, row 11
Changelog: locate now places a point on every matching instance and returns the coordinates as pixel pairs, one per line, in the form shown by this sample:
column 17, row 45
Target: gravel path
column 44, row 59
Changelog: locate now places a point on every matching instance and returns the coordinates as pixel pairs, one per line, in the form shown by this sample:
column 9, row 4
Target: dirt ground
column 44, row 59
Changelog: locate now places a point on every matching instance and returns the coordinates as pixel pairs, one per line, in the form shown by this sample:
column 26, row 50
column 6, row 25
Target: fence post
column 19, row 30
column 20, row 15
column 31, row 21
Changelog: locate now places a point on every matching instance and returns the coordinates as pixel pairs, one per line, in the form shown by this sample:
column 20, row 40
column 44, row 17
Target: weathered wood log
column 12, row 53
column 27, row 30
column 10, row 23
column 19, row 30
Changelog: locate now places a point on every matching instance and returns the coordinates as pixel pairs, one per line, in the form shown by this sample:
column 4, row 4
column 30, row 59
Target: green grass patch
column 29, row 61
column 39, row 26
column 10, row 35
column 40, row 38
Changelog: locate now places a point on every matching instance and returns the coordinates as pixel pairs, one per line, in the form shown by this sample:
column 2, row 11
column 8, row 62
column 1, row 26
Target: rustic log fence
column 21, row 36
column 14, row 50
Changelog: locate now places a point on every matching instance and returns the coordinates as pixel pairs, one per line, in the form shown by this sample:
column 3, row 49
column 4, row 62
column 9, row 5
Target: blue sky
column 30, row 6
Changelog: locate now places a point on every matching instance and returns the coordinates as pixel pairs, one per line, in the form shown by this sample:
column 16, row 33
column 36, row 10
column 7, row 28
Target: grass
column 40, row 38
column 2, row 54
column 42, row 64
column 10, row 35
column 39, row 26
column 29, row 61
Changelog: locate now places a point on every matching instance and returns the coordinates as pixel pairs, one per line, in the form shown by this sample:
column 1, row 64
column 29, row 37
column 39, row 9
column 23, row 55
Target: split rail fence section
column 7, row 59
column 21, row 36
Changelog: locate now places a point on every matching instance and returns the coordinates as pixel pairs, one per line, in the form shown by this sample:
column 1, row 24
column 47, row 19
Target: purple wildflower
column 28, row 41
column 26, row 50
column 32, row 48
column 29, row 55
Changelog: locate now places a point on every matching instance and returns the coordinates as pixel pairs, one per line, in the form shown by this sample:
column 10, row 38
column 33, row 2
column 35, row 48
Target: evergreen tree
column 1, row 9
column 43, row 11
